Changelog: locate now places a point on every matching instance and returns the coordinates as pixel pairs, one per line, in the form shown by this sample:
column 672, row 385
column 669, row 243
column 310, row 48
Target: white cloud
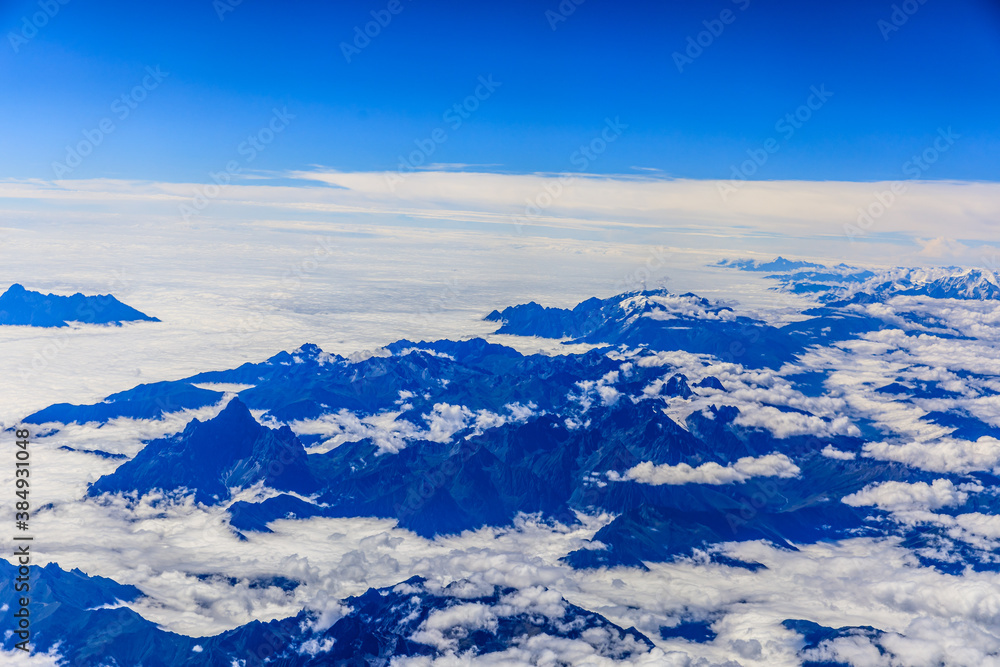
column 984, row 525
column 457, row 620
column 943, row 247
column 51, row 658
column 855, row 650
column 314, row 647
column 786, row 424
column 944, row 455
column 445, row 420
column 832, row 452
column 770, row 465
column 902, row 496
column 392, row 434
column 601, row 388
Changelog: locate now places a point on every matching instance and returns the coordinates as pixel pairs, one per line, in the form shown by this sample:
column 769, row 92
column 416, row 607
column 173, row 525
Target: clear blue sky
column 607, row 59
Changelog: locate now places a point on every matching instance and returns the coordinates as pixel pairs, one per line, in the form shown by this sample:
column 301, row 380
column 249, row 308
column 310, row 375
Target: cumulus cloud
column 444, row 626
column 770, row 465
column 857, row 650
column 446, row 420
column 388, row 432
column 51, row 658
column 786, row 424
column 944, row 455
column 900, row 496
column 601, row 389
column 984, row 525
column 832, row 452
column 943, row 247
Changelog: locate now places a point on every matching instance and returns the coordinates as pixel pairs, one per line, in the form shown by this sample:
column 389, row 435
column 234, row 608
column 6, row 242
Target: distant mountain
column 951, row 283
column 19, row 306
column 777, row 264
column 659, row 320
column 843, row 285
column 147, row 401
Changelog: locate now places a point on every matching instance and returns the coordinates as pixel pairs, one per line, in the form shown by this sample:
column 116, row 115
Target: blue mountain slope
column 230, row 451
column 544, row 466
column 661, row 321
column 380, row 623
column 487, row 479
column 434, row 488
column 25, row 307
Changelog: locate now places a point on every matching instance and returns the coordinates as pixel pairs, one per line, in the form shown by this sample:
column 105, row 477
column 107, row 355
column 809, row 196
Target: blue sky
column 606, row 60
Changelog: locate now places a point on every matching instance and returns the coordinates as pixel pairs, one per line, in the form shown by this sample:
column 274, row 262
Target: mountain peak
column 231, row 450
column 235, row 410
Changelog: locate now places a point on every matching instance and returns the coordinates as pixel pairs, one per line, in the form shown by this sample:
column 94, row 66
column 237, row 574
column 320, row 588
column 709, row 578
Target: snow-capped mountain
column 948, row 283
column 842, row 284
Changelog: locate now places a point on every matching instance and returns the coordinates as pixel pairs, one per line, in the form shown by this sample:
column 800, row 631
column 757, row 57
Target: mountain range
column 691, row 426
